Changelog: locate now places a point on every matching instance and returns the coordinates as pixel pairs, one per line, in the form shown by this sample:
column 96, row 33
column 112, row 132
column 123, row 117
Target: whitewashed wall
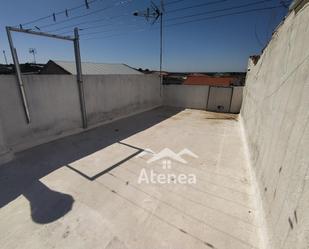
column 55, row 108
column 275, row 115
column 204, row 97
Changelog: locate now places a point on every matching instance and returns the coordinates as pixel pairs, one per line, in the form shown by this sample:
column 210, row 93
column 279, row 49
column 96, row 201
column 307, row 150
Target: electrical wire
column 196, row 6
column 118, row 16
column 86, row 22
column 57, row 13
column 116, row 35
column 193, row 6
column 170, row 19
column 173, row 2
column 88, row 14
column 196, row 20
column 229, row 14
column 204, row 13
column 220, row 10
column 109, row 30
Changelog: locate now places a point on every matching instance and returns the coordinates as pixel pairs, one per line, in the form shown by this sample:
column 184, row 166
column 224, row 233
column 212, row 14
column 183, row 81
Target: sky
column 199, row 35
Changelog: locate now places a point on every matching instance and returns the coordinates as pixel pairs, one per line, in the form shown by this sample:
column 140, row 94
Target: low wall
column 237, row 98
column 114, row 96
column 219, row 99
column 55, row 108
column 275, row 115
column 204, row 97
column 5, row 153
column 194, row 97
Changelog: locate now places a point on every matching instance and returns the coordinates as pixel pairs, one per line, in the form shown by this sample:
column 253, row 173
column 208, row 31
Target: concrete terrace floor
column 83, row 192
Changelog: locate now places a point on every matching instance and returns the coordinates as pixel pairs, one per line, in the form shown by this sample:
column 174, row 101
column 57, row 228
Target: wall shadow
column 24, row 172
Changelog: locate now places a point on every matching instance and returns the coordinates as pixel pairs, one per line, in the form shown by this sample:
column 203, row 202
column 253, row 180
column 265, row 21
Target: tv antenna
column 153, row 14
column 33, row 52
column 6, row 60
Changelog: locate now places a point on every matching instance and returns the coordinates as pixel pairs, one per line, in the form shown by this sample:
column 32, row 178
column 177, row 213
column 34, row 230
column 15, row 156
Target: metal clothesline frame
column 80, row 82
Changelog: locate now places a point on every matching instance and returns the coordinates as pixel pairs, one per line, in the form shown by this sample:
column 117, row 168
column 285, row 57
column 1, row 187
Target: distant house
column 25, row 68
column 88, row 68
column 211, row 80
column 6, row 69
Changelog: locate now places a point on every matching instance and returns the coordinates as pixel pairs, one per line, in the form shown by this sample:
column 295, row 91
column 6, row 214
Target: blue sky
column 221, row 44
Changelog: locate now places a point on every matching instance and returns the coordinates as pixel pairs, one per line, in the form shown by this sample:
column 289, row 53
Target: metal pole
column 28, row 31
column 34, row 57
column 161, row 51
column 18, row 76
column 6, row 60
column 80, row 78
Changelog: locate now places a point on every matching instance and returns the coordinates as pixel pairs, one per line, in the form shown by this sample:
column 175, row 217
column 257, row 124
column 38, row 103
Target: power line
column 174, row 2
column 98, row 26
column 88, row 14
column 105, row 31
column 198, row 14
column 284, row 4
column 220, row 10
column 257, row 36
column 82, row 29
column 86, row 22
column 193, row 21
column 118, row 16
column 229, row 14
column 66, row 11
column 192, row 6
column 115, row 35
column 196, row 6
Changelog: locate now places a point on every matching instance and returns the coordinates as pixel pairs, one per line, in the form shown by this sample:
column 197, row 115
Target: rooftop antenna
column 155, row 13
column 6, row 60
column 33, row 52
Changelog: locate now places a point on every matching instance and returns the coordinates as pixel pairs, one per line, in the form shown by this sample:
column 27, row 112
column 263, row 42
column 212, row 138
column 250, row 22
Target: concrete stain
column 291, row 223
column 295, row 216
column 183, row 231
column 209, row 245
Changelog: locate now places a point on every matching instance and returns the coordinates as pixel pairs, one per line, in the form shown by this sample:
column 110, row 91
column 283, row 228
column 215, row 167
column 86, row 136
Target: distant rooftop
column 209, row 80
column 90, row 68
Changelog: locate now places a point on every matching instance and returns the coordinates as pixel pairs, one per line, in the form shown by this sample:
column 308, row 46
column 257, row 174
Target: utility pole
column 154, row 13
column 33, row 52
column 5, row 59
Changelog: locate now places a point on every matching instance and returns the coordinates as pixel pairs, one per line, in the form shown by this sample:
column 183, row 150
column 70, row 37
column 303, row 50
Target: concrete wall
column 194, row 97
column 5, row 153
column 219, row 99
column 55, row 108
column 237, row 98
column 114, row 96
column 275, row 115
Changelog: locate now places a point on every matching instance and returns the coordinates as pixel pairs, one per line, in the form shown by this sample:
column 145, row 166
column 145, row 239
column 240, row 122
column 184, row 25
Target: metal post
column 80, row 78
column 31, row 32
column 161, row 51
column 18, row 76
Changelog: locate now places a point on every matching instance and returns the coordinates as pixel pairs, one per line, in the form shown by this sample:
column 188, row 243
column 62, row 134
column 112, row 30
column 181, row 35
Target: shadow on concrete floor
column 47, row 205
column 21, row 176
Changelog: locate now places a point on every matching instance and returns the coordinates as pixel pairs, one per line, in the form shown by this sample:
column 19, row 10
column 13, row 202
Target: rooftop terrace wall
column 275, row 115
column 55, row 108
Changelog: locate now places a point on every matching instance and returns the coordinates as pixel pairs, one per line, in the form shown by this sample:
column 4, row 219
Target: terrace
column 82, row 191
column 109, row 168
